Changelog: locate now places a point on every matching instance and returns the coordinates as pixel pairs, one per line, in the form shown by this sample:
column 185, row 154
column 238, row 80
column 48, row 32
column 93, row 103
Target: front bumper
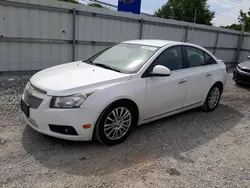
column 241, row 76
column 41, row 118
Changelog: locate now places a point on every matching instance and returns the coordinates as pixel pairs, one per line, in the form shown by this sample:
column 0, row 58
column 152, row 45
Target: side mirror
column 160, row 70
column 248, row 57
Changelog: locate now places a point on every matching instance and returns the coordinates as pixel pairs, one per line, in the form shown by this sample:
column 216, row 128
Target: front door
column 166, row 94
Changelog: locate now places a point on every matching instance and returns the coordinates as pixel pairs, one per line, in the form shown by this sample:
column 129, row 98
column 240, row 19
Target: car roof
column 156, row 43
column 162, row 43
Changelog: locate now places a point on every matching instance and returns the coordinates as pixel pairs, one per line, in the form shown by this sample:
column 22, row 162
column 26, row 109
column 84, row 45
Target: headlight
column 27, row 85
column 24, row 95
column 239, row 67
column 73, row 101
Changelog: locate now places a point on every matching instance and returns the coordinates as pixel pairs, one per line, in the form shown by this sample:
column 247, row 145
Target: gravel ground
column 192, row 149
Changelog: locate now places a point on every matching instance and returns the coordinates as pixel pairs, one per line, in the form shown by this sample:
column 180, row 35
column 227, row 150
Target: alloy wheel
column 214, row 97
column 117, row 123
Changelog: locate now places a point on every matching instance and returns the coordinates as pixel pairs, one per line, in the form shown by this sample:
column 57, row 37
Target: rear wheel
column 213, row 98
column 115, row 124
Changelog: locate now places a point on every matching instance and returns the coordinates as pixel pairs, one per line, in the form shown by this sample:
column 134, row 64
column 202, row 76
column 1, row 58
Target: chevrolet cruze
column 125, row 85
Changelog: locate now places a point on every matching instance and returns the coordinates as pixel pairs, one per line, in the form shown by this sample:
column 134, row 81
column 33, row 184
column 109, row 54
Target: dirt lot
column 193, row 149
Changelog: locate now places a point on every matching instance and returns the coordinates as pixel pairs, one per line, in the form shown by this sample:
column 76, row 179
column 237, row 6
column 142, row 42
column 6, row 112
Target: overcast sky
column 227, row 11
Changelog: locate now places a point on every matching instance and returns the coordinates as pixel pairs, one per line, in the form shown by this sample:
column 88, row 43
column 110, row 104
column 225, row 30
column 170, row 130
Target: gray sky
column 227, row 11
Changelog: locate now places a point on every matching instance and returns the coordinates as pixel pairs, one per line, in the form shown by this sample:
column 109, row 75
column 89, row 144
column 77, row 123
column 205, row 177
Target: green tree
column 70, row 1
column 184, row 10
column 237, row 27
column 95, row 5
column 243, row 18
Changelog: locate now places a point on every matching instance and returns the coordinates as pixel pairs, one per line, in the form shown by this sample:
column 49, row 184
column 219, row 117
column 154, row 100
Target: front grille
column 241, row 77
column 245, row 70
column 244, row 78
column 32, row 101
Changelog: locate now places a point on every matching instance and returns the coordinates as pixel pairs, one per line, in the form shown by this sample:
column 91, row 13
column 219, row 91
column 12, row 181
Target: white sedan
column 128, row 84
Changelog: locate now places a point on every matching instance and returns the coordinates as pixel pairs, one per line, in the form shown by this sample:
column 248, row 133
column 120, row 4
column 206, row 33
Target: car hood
column 71, row 78
column 245, row 65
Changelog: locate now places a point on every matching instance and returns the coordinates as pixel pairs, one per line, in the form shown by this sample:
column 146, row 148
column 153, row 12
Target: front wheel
column 115, row 124
column 213, row 98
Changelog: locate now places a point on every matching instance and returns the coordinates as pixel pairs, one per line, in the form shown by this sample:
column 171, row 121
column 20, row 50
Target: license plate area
column 25, row 108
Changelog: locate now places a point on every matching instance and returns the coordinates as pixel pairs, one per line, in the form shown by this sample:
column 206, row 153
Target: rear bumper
column 240, row 76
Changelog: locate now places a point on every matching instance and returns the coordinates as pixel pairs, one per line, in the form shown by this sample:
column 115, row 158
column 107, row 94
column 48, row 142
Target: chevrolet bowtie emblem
column 29, row 91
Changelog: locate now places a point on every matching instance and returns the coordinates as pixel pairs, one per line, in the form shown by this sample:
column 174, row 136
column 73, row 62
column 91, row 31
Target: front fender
column 134, row 90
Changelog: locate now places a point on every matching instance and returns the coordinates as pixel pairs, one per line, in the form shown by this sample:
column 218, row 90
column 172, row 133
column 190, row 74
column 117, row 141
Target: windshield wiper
column 89, row 61
column 106, row 67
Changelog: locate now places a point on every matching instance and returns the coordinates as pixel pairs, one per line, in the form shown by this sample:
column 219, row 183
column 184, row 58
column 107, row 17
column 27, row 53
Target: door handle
column 208, row 74
column 182, row 81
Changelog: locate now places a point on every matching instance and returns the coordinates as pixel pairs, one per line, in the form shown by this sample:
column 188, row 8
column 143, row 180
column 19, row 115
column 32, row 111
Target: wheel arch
column 124, row 101
column 220, row 84
column 121, row 101
column 205, row 105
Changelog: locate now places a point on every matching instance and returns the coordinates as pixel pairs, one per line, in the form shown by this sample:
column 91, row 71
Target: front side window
column 125, row 57
column 171, row 58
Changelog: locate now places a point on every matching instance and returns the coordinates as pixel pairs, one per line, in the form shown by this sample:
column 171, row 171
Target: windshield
column 127, row 58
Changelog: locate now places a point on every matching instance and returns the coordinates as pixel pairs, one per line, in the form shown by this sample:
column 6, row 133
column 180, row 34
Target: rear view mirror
column 160, row 70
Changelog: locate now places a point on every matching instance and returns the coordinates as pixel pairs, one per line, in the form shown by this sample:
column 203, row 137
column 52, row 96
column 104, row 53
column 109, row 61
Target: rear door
column 199, row 75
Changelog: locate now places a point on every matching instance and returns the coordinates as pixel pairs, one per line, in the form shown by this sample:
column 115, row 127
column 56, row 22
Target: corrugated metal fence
column 36, row 34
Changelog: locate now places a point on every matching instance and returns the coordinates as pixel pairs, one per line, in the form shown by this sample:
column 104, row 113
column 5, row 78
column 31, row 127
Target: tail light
column 225, row 64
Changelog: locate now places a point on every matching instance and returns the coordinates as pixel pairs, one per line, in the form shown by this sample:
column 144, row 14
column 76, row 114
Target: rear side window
column 171, row 58
column 209, row 60
column 195, row 57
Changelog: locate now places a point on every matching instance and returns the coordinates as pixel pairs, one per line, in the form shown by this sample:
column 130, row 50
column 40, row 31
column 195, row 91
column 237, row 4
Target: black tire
column 99, row 130
column 237, row 83
column 206, row 107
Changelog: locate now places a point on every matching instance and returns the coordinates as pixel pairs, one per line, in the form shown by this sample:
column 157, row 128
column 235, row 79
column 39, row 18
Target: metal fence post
column 216, row 41
column 141, row 28
column 74, row 35
column 186, row 34
column 239, row 47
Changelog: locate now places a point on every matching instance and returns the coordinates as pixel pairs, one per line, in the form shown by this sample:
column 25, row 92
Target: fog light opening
column 62, row 129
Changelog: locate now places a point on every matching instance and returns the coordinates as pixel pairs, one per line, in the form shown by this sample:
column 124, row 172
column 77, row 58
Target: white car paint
column 155, row 97
column 159, row 88
column 69, row 78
